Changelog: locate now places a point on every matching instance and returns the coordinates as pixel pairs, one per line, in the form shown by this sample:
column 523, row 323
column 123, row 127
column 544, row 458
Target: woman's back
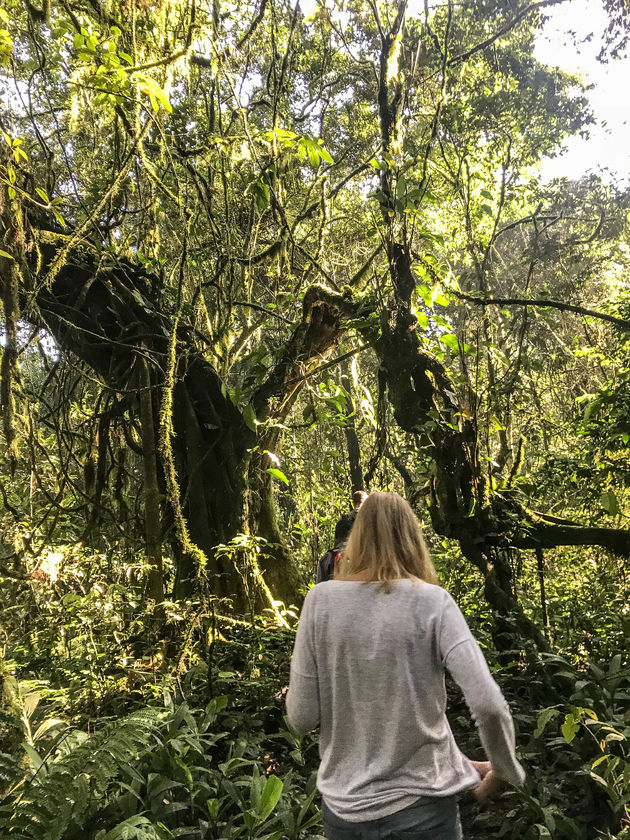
column 368, row 666
column 381, row 698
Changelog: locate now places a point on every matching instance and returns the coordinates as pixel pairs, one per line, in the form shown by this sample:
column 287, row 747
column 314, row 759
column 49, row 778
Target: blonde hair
column 386, row 542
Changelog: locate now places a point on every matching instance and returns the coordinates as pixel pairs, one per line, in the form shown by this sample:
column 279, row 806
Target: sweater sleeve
column 303, row 694
column 465, row 662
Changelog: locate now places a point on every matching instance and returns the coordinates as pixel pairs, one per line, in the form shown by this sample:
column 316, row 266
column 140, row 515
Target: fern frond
column 10, row 771
column 136, row 828
column 64, row 791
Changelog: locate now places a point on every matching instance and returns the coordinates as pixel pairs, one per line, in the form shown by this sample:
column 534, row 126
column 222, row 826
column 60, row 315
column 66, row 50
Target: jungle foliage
column 253, row 258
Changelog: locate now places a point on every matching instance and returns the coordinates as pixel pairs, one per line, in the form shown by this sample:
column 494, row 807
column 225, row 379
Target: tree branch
column 323, row 315
column 543, row 303
column 534, row 7
column 253, row 26
column 551, row 535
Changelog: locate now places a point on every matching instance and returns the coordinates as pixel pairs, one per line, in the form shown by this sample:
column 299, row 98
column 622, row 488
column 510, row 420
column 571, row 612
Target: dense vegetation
column 252, row 259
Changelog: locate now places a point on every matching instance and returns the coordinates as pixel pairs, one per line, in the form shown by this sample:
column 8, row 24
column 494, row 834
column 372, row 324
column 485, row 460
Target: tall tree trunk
column 106, row 316
column 106, row 312
column 352, row 439
column 152, row 518
column 420, row 391
column 276, row 563
column 8, row 363
column 540, row 567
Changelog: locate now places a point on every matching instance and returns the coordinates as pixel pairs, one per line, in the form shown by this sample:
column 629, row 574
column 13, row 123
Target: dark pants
column 430, row 818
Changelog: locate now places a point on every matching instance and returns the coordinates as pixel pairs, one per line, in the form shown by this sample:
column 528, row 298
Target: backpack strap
column 328, row 563
column 326, row 566
column 336, row 559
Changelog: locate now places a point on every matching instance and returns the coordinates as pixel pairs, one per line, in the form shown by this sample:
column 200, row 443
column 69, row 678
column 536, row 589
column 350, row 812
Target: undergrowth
column 205, row 752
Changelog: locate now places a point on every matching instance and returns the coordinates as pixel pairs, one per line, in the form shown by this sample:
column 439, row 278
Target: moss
column 11, row 731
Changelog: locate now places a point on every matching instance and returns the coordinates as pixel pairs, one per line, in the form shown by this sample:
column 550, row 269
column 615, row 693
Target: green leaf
column 262, row 195
column 217, row 704
column 42, row 195
column 451, row 342
column 381, row 197
column 276, row 473
column 46, row 726
column 325, row 155
column 138, row 298
column 249, row 416
column 569, row 728
column 284, row 135
column 423, row 320
column 313, row 154
column 156, row 94
column 250, row 820
column 34, row 756
column 178, row 762
column 125, row 830
column 424, row 292
column 30, row 703
column 270, row 796
column 543, row 719
column 610, row 503
column 6, row 255
column 485, row 208
column 163, row 99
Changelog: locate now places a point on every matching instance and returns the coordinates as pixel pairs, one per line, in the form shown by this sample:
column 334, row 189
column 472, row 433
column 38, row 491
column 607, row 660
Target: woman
column 368, row 667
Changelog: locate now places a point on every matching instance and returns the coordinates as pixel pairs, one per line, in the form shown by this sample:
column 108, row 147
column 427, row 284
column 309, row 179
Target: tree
column 185, row 211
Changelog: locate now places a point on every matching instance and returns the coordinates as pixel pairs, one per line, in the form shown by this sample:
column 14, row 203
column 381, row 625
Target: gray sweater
column 368, row 667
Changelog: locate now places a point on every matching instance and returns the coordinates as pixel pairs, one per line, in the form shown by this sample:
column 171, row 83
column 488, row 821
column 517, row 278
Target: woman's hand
column 489, row 786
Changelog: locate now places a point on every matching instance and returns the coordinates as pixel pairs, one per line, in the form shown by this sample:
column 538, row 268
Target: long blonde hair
column 386, row 542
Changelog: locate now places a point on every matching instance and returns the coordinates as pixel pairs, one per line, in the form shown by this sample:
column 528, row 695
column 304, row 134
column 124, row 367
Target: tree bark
column 540, row 567
column 152, row 518
column 352, row 440
column 107, row 318
column 424, row 399
column 108, row 313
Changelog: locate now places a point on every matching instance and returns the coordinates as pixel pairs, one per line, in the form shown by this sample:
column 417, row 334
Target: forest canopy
column 253, row 259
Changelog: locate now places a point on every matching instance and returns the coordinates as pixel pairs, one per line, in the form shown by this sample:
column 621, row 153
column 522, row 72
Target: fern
column 10, row 771
column 63, row 793
column 136, row 828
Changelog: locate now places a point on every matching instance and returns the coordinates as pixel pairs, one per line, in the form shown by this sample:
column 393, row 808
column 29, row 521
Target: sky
column 571, row 39
column 608, row 147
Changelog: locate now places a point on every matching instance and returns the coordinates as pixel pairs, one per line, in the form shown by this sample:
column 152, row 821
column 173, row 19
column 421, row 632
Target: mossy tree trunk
column 425, row 403
column 357, row 480
column 110, row 316
column 152, row 514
